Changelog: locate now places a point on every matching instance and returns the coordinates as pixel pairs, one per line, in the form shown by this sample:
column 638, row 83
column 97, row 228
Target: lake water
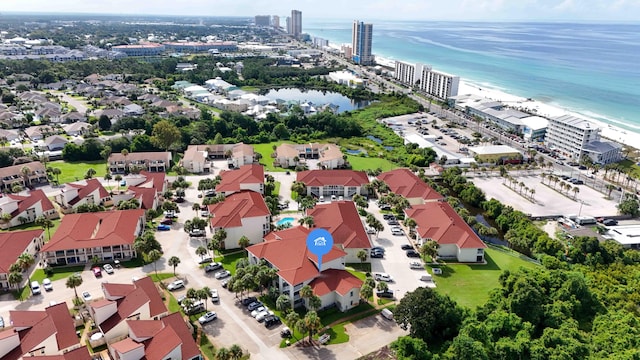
column 316, row 98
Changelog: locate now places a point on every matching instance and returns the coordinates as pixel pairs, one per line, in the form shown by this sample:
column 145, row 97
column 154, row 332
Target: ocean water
column 591, row 69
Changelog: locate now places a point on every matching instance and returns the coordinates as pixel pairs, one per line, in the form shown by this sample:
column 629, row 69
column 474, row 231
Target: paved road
column 81, row 106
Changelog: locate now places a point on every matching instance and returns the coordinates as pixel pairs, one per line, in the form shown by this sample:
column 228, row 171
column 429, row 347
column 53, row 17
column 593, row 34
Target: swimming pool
column 287, row 220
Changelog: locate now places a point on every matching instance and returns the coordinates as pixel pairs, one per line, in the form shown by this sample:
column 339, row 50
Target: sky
column 488, row 10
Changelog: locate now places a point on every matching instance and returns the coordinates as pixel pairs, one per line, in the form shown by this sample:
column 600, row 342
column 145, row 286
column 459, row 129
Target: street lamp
column 580, row 211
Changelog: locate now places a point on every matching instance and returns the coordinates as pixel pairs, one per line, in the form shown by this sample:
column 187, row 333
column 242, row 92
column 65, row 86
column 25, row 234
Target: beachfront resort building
column 574, row 138
column 294, row 23
column 361, row 39
column 432, row 82
column 262, row 20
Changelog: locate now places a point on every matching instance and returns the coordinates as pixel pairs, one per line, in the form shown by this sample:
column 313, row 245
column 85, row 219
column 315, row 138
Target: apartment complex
column 361, row 36
column 574, row 138
column 262, row 20
column 294, row 25
column 432, row 82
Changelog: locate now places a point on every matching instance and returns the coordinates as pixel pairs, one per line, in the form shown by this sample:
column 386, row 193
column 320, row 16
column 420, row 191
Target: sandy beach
column 611, row 132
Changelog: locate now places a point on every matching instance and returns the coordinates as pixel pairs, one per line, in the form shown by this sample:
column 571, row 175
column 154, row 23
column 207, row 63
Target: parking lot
column 548, row 202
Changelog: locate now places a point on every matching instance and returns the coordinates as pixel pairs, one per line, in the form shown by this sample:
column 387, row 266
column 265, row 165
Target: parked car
column 388, row 217
column 47, row 285
column 393, row 222
column 413, row 254
column 210, row 316
column 285, row 332
column 371, row 230
column 406, row 247
column 606, row 222
column 385, row 207
column 254, row 305
column 198, row 233
column 180, row 299
column 163, row 227
column 257, row 311
column 206, row 260
column 213, row 294
column 171, row 214
column 108, row 268
column 96, row 272
column 175, row 285
column 213, row 267
column 378, row 248
column 223, row 274
column 194, row 308
column 260, row 317
column 204, row 213
column 271, row 320
column 86, row 296
column 248, row 300
column 224, row 284
column 416, row 265
column 385, row 294
column 383, row 277
column 166, row 222
column 377, row 255
column 397, row 232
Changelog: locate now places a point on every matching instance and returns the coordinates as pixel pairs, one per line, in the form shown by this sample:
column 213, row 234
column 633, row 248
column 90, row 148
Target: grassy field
column 266, row 150
column 366, row 163
column 229, row 261
column 635, row 169
column 73, row 171
column 33, row 226
column 208, row 350
column 58, row 273
column 469, row 285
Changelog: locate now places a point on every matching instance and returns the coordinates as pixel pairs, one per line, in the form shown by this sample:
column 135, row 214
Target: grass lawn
column 207, row 348
column 229, row 261
column 366, row 163
column 33, row 226
column 332, row 315
column 276, row 190
column 362, row 267
column 173, row 304
column 469, row 285
column 58, row 273
column 250, row 88
column 73, row 171
column 160, row 276
column 629, row 164
column 338, row 334
column 266, row 150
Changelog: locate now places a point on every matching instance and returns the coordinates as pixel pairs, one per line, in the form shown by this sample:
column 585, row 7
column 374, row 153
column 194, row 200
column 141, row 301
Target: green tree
column 432, row 317
column 153, row 256
column 243, row 242
column 362, row 255
column 201, row 251
column 203, row 294
column 15, row 278
column 283, row 303
column 409, row 348
column 165, row 134
column 223, row 354
column 25, row 260
column 73, row 282
column 46, row 224
column 366, row 292
column 236, row 352
column 314, row 302
column 629, row 206
column 174, row 261
column 429, row 249
column 310, row 323
column 104, row 123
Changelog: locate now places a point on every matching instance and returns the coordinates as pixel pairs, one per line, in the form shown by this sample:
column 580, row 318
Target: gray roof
column 601, row 146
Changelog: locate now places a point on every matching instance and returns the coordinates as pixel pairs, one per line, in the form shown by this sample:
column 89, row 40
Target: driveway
column 285, row 187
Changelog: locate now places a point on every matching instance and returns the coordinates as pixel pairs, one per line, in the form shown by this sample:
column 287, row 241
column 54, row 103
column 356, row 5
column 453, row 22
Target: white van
column 35, row 288
column 387, row 314
column 426, row 277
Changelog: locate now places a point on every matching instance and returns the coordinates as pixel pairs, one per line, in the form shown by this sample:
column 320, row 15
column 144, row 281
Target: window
column 351, row 294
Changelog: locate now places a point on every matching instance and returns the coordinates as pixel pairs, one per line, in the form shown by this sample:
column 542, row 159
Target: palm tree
column 25, row 260
column 213, row 245
column 610, row 188
column 26, row 171
column 532, row 192
column 73, row 282
column 90, row 173
column 382, row 286
column 174, row 261
column 56, row 172
column 576, row 190
column 362, row 255
column 307, row 220
column 366, row 292
column 243, row 242
column 203, row 294
column 310, row 323
column 108, row 177
column 223, row 354
column 314, row 302
column 220, row 235
column 283, row 302
column 521, row 184
column 429, row 249
column 306, row 292
column 201, row 251
column 15, row 278
column 410, row 223
column 153, row 256
column 236, row 352
column 46, row 224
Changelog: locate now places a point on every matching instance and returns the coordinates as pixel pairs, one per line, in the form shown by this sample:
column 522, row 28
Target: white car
column 397, row 232
column 86, row 296
column 257, row 311
column 214, row 295
column 210, row 316
column 260, row 317
column 383, row 277
column 371, row 230
column 175, row 285
column 47, row 285
column 223, row 274
column 108, row 268
column 416, row 265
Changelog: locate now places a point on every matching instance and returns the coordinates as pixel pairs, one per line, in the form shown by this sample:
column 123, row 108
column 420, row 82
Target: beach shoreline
column 467, row 86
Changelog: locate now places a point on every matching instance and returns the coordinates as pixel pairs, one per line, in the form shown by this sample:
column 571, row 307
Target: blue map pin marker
column 319, row 242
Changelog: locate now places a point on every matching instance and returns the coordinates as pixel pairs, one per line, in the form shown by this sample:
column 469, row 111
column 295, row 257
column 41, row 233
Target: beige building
column 150, row 161
column 290, row 155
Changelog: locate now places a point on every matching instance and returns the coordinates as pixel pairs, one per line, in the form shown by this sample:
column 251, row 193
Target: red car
column 166, row 222
column 97, row 272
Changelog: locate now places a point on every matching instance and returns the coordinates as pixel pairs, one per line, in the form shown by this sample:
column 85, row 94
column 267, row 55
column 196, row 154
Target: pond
column 317, row 98
column 355, row 152
column 373, row 138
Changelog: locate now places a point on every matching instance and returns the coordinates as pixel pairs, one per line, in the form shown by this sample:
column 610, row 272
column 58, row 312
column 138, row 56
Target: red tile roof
column 114, row 291
column 146, row 196
column 230, row 212
column 127, row 306
column 125, row 345
column 156, row 180
column 340, row 281
column 247, row 174
column 156, row 305
column 176, row 322
column 81, row 353
column 85, row 189
column 287, row 251
column 40, row 325
column 406, row 183
column 342, row 220
column 143, row 329
column 26, row 202
column 440, row 222
column 162, row 343
column 333, row 177
column 14, row 243
column 88, row 230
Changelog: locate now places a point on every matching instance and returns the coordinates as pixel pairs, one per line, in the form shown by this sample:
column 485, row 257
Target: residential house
column 81, row 353
column 439, row 222
column 76, row 128
column 35, row 133
column 247, row 177
column 17, row 174
column 243, row 213
column 404, row 182
column 85, row 192
column 220, row 86
column 113, row 114
column 149, row 98
column 329, row 156
column 106, row 235
column 327, row 183
column 73, row 117
column 133, row 110
column 37, row 333
column 122, row 303
column 55, row 142
column 146, row 187
column 150, row 161
column 13, row 244
column 287, row 252
column 197, row 158
column 47, row 114
column 342, row 220
column 9, row 135
column 26, row 209
column 167, row 338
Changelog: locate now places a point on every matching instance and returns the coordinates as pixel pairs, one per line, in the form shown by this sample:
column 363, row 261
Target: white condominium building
column 574, row 137
column 438, row 84
column 361, row 39
column 408, row 73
